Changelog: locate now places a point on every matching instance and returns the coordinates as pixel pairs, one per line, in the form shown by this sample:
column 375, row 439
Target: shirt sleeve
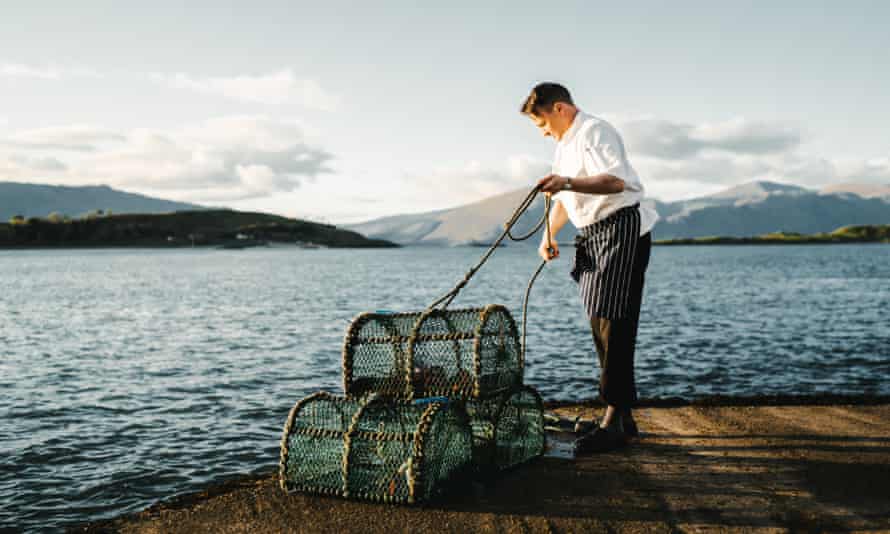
column 604, row 153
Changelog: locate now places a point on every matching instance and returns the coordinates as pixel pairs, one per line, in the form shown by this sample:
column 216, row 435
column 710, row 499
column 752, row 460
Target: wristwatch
column 568, row 185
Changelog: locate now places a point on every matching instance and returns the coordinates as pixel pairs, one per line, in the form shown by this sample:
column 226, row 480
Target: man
column 595, row 187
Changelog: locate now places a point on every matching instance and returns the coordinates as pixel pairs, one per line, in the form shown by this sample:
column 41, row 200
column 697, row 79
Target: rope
column 508, row 226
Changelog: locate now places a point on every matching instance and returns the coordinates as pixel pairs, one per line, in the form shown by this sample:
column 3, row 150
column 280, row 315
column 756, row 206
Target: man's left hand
column 552, row 183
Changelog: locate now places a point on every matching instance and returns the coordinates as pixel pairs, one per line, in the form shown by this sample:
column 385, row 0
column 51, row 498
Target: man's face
column 551, row 123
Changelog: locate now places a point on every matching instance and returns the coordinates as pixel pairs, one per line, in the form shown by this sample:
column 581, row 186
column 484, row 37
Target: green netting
column 483, row 414
column 508, row 429
column 429, row 394
column 465, row 353
column 373, row 448
column 454, row 449
column 312, row 443
column 519, row 432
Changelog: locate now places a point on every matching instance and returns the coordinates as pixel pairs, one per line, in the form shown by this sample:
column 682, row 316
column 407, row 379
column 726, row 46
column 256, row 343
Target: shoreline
column 288, row 244
column 742, row 241
column 752, row 401
column 203, row 246
column 788, row 462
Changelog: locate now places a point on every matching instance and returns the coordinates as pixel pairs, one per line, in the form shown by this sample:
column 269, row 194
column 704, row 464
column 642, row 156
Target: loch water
column 132, row 375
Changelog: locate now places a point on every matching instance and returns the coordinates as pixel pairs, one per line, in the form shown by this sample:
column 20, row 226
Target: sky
column 345, row 111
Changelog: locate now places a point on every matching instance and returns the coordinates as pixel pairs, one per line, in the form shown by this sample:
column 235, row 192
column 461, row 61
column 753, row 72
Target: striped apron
column 604, row 260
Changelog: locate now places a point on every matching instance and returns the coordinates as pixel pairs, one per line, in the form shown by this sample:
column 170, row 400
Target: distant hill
column 749, row 209
column 37, row 200
column 763, row 207
column 845, row 234
column 862, row 190
column 470, row 224
column 228, row 228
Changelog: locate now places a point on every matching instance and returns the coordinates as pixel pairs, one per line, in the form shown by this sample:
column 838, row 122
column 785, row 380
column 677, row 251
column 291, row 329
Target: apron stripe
column 603, row 263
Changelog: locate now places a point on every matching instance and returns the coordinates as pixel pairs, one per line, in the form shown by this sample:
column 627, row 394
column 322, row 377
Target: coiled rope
column 508, row 226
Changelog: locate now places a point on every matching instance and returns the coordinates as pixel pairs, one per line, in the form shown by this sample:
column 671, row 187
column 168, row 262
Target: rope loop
column 448, row 297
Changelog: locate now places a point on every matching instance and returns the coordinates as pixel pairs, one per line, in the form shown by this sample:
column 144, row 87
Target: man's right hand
column 548, row 254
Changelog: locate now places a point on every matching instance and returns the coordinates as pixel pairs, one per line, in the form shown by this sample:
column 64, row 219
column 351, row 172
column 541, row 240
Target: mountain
column 748, row 209
column 759, row 208
column 479, row 222
column 37, row 200
column 862, row 190
column 758, row 189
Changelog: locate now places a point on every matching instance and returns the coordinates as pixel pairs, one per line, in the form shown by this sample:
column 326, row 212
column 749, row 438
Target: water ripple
column 130, row 376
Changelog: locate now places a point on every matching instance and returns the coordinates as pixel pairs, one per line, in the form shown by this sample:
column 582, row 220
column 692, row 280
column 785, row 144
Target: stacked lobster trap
column 429, row 397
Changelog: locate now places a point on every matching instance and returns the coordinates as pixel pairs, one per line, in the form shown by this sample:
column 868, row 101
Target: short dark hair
column 543, row 96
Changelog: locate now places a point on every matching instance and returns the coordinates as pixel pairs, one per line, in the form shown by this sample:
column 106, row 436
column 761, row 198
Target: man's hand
column 550, row 254
column 552, row 183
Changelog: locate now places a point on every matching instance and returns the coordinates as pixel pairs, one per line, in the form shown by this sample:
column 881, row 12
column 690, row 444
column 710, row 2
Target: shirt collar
column 573, row 129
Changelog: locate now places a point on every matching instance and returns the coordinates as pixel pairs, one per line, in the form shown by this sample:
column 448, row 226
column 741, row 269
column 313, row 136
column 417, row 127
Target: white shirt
column 589, row 147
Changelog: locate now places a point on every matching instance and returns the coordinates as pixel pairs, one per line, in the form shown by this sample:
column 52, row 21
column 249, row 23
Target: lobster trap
column 373, row 448
column 429, row 396
column 464, row 353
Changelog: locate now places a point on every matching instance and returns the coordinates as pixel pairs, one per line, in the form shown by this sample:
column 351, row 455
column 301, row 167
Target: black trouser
column 616, row 339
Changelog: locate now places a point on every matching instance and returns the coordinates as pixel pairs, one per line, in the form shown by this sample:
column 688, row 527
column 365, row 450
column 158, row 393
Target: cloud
column 742, row 136
column 18, row 70
column 77, row 137
column 712, row 169
column 280, row 87
column 674, row 160
column 45, row 72
column 274, row 88
column 675, row 140
column 472, row 180
column 37, row 163
column 876, row 170
column 691, row 157
column 230, row 158
column 683, row 178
